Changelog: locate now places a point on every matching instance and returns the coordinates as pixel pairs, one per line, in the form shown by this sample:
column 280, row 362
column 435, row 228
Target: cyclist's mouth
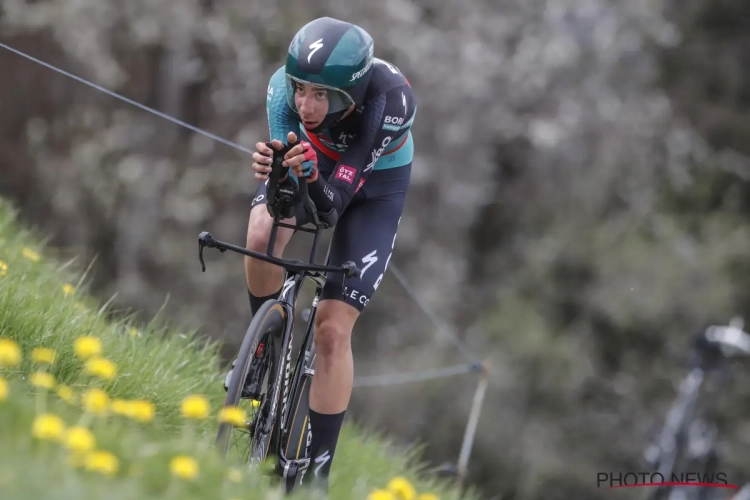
column 310, row 123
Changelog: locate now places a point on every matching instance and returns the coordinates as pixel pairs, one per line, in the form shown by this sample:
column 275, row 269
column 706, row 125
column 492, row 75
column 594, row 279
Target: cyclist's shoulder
column 389, row 88
column 386, row 77
column 276, row 92
column 278, row 77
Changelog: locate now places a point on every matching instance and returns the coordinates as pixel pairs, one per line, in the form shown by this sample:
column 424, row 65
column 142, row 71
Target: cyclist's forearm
column 326, row 197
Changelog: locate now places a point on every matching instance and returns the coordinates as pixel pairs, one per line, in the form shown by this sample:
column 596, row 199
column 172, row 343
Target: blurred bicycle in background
column 689, row 440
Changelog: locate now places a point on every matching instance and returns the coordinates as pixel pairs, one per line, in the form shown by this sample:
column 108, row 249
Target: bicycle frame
column 707, row 356
column 296, row 272
column 288, row 299
column 676, row 433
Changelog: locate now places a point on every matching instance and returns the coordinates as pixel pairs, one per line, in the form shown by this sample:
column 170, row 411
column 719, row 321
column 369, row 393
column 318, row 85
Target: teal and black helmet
column 332, row 54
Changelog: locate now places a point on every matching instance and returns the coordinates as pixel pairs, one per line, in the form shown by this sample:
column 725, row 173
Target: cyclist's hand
column 263, row 158
column 301, row 158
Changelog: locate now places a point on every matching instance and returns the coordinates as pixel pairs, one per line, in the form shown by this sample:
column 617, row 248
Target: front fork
column 293, row 470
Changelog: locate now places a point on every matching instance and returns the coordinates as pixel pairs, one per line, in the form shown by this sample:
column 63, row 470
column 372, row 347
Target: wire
column 129, row 101
column 368, row 381
column 420, row 376
column 442, row 326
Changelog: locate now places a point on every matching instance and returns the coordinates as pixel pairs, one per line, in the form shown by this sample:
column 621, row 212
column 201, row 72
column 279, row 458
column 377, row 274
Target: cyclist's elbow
column 329, row 218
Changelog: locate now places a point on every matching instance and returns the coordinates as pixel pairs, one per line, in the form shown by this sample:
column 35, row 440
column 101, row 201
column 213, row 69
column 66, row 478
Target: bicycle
column 687, row 435
column 280, row 426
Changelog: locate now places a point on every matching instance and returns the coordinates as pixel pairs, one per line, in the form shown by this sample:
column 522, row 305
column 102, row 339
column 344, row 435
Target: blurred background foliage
column 579, row 203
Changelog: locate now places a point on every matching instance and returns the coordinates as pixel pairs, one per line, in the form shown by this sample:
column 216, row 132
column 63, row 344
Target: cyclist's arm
column 331, row 196
column 281, row 119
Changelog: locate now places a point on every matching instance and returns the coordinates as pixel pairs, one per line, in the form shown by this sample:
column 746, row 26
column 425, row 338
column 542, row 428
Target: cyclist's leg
column 264, row 280
column 366, row 234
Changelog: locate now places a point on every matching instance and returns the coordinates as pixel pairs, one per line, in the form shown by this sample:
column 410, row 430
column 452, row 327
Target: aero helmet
column 332, row 54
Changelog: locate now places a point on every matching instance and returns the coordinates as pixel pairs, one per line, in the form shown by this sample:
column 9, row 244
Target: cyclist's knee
column 333, row 328
column 259, row 231
column 331, row 337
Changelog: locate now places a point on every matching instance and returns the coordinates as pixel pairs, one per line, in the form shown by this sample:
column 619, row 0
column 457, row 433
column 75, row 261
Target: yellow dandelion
column 10, row 353
column 233, row 415
column 48, row 427
column 3, row 389
column 3, row 268
column 86, row 347
column 234, row 475
column 96, row 401
column 142, row 411
column 184, row 467
column 428, row 496
column 66, row 394
column 134, row 332
column 254, row 403
column 103, row 462
column 121, row 407
column 401, row 488
column 30, row 254
column 43, row 355
column 195, row 406
column 381, row 495
column 101, row 368
column 41, row 379
column 79, row 439
column 68, row 289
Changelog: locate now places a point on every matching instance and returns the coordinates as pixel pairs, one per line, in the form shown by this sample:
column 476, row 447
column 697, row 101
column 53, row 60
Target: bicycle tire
column 268, row 323
column 299, row 434
column 298, row 423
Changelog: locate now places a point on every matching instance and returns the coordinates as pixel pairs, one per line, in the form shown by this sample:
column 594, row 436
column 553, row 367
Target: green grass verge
column 154, row 363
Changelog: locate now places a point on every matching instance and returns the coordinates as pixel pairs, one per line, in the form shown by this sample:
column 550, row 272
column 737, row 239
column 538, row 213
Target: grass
column 43, row 304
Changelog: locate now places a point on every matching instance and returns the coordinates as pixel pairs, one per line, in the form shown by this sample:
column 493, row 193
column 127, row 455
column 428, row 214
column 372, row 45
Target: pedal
column 293, row 472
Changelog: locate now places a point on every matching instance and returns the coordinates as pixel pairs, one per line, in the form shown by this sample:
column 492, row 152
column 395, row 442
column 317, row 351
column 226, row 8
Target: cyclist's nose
column 307, row 106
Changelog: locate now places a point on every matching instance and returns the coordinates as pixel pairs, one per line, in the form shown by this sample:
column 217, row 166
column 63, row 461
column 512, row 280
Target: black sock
column 325, row 434
column 256, row 302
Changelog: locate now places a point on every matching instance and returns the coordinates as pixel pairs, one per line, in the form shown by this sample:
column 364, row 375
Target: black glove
column 286, row 198
column 284, row 195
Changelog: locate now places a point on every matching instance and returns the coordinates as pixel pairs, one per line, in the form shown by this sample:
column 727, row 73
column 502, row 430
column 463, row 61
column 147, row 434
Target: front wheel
column 259, row 350
column 299, row 432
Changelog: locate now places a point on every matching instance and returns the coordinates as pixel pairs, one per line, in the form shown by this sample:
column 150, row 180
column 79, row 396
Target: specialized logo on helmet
column 314, row 47
column 361, row 73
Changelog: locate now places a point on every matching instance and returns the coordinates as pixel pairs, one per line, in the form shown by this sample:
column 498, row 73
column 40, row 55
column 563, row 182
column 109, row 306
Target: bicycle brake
column 204, row 240
column 351, row 270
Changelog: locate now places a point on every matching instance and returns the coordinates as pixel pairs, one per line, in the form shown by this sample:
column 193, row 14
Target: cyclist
column 347, row 117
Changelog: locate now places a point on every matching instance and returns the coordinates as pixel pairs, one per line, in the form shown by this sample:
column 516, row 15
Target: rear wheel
column 259, row 351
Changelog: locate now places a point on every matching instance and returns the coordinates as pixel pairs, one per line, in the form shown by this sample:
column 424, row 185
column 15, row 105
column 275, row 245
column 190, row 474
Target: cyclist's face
column 312, row 103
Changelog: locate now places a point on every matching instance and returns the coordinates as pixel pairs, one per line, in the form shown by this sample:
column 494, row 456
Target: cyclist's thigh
column 366, row 234
column 261, row 222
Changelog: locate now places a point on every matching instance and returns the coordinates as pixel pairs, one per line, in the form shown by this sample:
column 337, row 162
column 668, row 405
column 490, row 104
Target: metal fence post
column 471, row 425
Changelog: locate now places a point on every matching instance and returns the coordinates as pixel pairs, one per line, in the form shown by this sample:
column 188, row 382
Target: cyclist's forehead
column 309, row 87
